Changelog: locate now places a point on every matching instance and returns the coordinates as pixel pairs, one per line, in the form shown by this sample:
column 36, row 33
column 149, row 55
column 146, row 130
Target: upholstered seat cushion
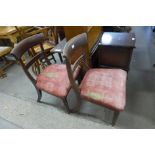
column 105, row 87
column 54, row 80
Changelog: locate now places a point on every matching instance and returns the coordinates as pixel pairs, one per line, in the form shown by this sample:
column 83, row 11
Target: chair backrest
column 25, row 32
column 24, row 46
column 75, row 55
column 48, row 31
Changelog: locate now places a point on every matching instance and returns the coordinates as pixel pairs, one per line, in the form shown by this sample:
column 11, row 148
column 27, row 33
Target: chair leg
column 60, row 56
column 78, row 101
column 2, row 74
column 54, row 58
column 115, row 117
column 39, row 92
column 66, row 105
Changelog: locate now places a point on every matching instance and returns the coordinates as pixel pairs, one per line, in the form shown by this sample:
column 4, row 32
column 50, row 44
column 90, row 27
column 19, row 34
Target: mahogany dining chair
column 102, row 86
column 53, row 79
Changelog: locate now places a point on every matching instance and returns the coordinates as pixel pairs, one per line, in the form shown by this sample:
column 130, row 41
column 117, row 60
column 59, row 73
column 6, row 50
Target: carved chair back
column 24, row 46
column 75, row 56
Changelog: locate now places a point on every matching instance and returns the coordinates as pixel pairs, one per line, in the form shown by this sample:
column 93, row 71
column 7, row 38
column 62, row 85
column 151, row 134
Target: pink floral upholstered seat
column 54, row 80
column 105, row 87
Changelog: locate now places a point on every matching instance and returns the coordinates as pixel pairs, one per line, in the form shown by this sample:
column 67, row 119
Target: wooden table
column 115, row 50
column 10, row 32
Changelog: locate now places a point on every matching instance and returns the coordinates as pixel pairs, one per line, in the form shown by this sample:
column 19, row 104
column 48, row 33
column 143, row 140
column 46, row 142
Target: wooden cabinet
column 114, row 50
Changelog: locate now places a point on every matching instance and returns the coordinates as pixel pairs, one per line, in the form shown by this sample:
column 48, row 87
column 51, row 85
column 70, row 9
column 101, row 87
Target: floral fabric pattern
column 105, row 87
column 54, row 80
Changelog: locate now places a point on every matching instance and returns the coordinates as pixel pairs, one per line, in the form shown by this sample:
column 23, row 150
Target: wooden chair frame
column 36, row 30
column 77, row 46
column 32, row 31
column 22, row 48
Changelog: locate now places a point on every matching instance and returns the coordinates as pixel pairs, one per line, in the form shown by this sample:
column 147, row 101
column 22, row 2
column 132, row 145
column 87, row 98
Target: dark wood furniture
column 47, row 45
column 114, row 50
column 53, row 78
column 105, row 87
column 47, row 31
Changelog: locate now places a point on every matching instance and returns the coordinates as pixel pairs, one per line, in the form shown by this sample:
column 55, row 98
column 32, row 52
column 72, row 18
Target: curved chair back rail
column 24, row 46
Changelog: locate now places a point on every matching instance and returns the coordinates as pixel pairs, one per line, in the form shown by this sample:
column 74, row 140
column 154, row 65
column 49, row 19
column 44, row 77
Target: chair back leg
column 39, row 92
column 115, row 117
column 66, row 105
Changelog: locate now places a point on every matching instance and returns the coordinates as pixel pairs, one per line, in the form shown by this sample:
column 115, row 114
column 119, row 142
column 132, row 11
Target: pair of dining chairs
column 105, row 87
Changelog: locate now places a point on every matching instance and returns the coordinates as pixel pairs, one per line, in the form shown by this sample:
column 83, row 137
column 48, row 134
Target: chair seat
column 106, row 87
column 54, row 80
